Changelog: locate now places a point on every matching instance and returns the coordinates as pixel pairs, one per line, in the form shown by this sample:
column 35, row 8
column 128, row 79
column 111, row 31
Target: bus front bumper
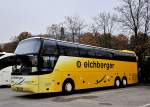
column 28, row 89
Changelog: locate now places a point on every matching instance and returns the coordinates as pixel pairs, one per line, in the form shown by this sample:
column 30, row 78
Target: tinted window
column 129, row 58
column 83, row 51
column 117, row 56
column 86, row 51
column 100, row 54
column 68, row 49
column 1, row 55
column 49, row 47
column 103, row 54
column 48, row 64
column 91, row 52
column 124, row 57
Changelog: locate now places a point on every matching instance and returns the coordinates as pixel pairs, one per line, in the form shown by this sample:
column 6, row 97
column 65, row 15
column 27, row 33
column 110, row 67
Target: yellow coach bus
column 47, row 65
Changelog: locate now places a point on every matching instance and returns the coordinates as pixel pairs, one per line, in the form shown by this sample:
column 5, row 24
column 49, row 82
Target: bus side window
column 124, row 57
column 68, row 49
column 48, row 63
column 49, row 48
column 116, row 56
column 91, row 52
column 87, row 51
column 109, row 56
column 130, row 58
column 103, row 54
column 100, row 54
column 83, row 51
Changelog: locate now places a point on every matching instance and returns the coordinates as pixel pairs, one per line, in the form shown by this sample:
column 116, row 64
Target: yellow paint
column 84, row 77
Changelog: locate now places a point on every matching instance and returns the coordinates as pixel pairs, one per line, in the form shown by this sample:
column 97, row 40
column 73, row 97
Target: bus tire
column 117, row 82
column 124, row 82
column 68, row 86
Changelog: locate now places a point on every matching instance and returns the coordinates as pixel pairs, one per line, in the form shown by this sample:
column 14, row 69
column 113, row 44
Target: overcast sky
column 35, row 15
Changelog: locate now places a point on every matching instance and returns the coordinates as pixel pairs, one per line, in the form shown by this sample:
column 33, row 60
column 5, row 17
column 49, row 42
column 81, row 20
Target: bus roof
column 105, row 49
column 127, row 51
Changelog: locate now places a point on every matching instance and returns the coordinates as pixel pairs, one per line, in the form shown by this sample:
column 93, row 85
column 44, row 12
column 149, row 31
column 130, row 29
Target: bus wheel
column 124, row 82
column 68, row 86
column 117, row 83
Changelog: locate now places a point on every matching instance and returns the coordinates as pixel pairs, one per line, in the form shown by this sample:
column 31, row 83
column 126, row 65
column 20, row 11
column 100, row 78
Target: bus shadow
column 5, row 86
column 39, row 96
column 60, row 94
column 57, row 97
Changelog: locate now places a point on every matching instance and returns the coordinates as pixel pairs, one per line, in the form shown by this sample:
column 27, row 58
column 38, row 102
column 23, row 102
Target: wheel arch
column 68, row 80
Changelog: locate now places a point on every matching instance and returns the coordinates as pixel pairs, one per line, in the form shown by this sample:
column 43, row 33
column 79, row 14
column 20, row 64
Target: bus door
column 47, row 61
column 46, row 78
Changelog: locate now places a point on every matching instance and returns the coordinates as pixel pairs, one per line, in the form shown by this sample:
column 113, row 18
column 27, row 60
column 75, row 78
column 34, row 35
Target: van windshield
column 1, row 55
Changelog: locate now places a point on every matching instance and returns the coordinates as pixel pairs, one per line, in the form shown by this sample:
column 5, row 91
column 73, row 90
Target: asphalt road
column 134, row 96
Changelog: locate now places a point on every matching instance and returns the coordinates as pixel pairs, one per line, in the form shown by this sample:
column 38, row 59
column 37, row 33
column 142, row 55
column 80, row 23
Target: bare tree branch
column 105, row 22
column 75, row 25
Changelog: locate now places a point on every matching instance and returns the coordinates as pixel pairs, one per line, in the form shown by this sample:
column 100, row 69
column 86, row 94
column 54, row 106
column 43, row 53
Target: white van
column 5, row 69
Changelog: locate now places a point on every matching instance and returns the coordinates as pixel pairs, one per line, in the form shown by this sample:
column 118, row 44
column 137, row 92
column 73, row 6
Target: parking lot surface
column 133, row 96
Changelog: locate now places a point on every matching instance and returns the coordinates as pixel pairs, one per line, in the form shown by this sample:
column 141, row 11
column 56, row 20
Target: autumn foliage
column 10, row 47
column 107, row 41
column 120, row 42
column 90, row 39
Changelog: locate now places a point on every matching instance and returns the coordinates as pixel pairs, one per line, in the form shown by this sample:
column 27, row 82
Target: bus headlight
column 34, row 69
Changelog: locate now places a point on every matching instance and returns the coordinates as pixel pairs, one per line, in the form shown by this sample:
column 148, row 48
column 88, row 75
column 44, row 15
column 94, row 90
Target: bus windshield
column 29, row 46
column 25, row 65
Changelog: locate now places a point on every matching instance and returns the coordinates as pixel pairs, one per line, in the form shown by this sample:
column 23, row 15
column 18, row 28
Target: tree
column 131, row 12
column 22, row 36
column 146, row 17
column 147, row 46
column 135, row 16
column 53, row 31
column 90, row 39
column 10, row 47
column 105, row 40
column 75, row 25
column 120, row 42
column 1, row 48
column 94, row 28
column 105, row 22
column 141, row 47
